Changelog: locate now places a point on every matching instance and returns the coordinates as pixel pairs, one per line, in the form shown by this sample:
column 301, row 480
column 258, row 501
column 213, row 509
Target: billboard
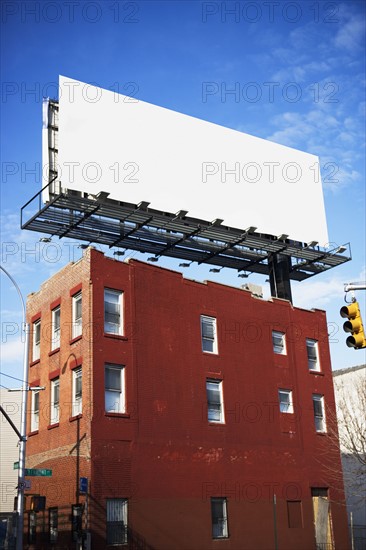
column 139, row 152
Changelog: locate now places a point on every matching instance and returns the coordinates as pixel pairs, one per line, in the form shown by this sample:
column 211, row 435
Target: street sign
column 37, row 472
column 83, row 485
column 16, row 465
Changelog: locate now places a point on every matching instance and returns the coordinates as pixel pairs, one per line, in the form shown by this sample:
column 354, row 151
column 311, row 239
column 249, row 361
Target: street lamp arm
column 23, row 422
column 17, row 289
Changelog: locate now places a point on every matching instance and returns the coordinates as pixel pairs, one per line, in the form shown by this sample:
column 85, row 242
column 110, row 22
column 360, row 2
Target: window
column 77, row 404
column 294, row 514
column 32, row 527
column 214, row 401
column 116, row 521
column 279, row 342
column 219, row 518
column 322, row 518
column 114, row 389
column 53, row 524
column 312, row 351
column 319, row 413
column 36, row 352
column 35, row 411
column 112, row 311
column 56, row 328
column 208, row 333
column 285, row 399
column 76, row 315
column 55, row 401
column 76, row 521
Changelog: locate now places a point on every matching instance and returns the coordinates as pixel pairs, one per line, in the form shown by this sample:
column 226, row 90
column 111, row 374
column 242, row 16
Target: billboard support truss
column 98, row 219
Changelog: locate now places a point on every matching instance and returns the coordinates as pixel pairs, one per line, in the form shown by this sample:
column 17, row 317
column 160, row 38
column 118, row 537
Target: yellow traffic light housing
column 354, row 325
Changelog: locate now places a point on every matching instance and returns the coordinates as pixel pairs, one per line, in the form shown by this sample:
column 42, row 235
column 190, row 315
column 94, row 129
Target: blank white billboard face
column 137, row 152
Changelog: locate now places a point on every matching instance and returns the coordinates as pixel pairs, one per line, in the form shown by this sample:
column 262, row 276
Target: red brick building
column 196, row 411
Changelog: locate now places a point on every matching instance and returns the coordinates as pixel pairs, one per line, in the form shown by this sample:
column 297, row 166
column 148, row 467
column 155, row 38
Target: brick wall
column 161, row 453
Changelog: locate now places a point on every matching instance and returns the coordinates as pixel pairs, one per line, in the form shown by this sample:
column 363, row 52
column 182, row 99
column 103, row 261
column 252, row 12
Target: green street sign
column 16, row 465
column 37, row 472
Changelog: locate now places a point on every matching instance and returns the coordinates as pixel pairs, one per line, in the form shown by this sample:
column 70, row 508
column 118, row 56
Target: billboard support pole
column 279, row 276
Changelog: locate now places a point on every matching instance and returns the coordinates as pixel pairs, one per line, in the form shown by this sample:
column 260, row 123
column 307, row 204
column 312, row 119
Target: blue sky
column 291, row 72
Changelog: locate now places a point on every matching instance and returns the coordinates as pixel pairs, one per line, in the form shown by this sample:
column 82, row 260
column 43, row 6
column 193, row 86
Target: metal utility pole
column 23, row 423
column 279, row 276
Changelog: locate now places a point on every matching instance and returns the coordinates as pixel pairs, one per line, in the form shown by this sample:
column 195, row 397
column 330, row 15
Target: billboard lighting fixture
column 101, row 196
column 118, row 252
column 153, row 259
column 45, row 240
column 217, row 222
column 312, row 244
column 215, row 270
column 282, row 237
column 83, row 246
column 243, row 275
column 340, row 249
column 251, row 229
column 143, row 205
column 181, row 214
column 185, row 264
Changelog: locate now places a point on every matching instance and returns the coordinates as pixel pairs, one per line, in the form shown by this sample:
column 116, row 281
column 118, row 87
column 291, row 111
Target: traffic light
column 354, row 326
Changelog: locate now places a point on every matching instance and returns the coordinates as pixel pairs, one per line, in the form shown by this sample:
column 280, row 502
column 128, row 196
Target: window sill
column 33, row 433
column 53, row 351
column 213, row 353
column 76, row 339
column 117, row 415
column 213, row 423
column 51, row 426
column 321, row 433
column 76, row 417
column 115, row 336
column 319, row 372
column 34, row 362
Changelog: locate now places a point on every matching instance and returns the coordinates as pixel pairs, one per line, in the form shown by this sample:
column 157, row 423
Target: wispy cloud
column 351, row 35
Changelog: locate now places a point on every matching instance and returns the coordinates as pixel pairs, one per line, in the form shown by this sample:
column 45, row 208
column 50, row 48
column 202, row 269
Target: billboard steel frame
column 97, row 219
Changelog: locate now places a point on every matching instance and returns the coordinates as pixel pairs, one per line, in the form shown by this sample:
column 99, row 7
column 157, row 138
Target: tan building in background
column 350, row 395
column 9, row 451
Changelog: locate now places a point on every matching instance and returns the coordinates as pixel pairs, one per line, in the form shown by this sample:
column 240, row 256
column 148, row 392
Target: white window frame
column 285, row 401
column 116, row 393
column 209, row 334
column 219, row 523
column 36, row 351
column 56, row 328
column 215, row 408
column 55, row 401
column 77, row 317
column 77, row 391
column 116, row 521
column 53, row 524
column 279, row 342
column 313, row 358
column 35, row 411
column 111, row 327
column 319, row 419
